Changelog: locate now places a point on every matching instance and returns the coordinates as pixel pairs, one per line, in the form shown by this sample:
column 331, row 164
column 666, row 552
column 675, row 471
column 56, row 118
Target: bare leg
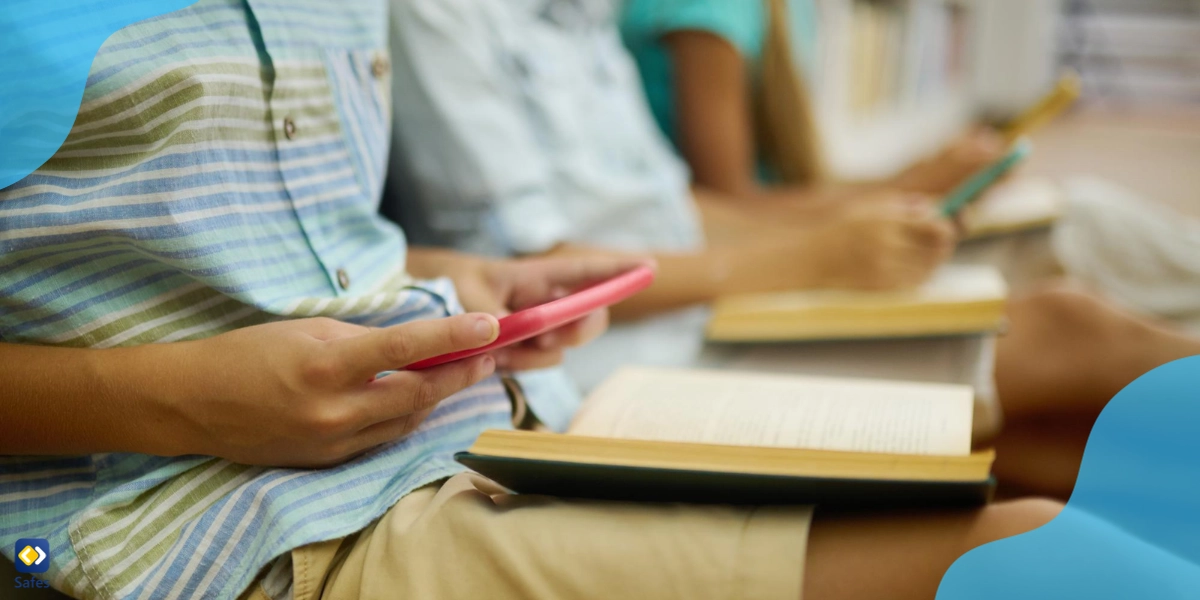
column 1041, row 457
column 1069, row 352
column 854, row 557
column 1066, row 355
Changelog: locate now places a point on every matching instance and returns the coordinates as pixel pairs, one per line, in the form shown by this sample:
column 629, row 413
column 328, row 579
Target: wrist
column 776, row 263
column 145, row 390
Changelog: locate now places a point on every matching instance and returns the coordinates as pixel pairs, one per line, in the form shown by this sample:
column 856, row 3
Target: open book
column 959, row 300
column 714, row 436
column 1020, row 205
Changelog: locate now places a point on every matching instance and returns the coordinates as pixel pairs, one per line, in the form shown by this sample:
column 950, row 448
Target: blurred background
column 896, row 78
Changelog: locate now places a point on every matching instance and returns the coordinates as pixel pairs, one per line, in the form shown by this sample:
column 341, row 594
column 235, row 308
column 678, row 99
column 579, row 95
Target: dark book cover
column 645, row 484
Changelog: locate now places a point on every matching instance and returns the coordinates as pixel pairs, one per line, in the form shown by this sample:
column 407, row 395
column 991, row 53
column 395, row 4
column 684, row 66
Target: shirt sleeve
column 483, row 180
column 742, row 23
column 806, row 31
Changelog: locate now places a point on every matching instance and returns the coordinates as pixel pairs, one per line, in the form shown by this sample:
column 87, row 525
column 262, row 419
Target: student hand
column 500, row 287
column 301, row 393
column 887, row 242
column 960, row 160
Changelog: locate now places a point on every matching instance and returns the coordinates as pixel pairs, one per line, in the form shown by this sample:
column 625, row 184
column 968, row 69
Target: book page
column 951, row 283
column 964, row 283
column 1021, row 201
column 744, row 409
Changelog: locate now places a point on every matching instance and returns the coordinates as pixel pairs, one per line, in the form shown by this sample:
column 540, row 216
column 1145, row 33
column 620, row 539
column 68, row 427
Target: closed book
column 958, row 300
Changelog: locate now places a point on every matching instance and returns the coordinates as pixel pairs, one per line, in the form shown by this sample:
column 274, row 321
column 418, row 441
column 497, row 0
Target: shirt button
column 380, row 65
column 343, row 279
column 289, row 128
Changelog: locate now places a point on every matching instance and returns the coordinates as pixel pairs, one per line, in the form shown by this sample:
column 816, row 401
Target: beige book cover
column 958, row 300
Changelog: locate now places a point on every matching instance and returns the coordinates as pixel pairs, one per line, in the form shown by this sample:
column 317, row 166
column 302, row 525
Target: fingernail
column 488, row 364
column 487, row 328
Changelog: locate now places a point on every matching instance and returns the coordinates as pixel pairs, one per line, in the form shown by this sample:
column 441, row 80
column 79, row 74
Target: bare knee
column 1006, row 519
column 1062, row 313
column 987, row 422
column 1061, row 303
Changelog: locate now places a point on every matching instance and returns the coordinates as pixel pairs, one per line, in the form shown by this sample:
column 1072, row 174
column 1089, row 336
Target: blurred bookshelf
column 896, row 79
column 1134, row 52
column 892, row 80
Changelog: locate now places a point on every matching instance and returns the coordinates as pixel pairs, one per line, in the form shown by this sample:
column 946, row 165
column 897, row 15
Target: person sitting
column 726, row 83
column 523, row 131
column 199, row 302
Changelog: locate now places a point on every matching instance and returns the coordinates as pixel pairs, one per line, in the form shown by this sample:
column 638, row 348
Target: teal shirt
column 743, row 23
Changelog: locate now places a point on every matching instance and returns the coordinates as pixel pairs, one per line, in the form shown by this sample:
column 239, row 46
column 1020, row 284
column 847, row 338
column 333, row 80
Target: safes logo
column 33, row 555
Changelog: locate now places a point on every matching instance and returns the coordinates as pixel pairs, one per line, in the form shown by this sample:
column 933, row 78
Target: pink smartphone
column 535, row 321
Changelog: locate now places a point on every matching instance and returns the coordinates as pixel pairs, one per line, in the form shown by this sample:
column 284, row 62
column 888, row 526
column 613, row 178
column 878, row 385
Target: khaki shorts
column 467, row 538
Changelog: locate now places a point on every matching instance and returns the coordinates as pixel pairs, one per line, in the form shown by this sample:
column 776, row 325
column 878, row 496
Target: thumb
column 361, row 357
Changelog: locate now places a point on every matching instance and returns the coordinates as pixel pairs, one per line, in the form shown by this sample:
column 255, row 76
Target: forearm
column 59, row 401
column 736, row 219
column 922, row 177
column 745, row 260
column 686, row 279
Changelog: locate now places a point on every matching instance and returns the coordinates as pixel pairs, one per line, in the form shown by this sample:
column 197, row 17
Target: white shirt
column 521, row 125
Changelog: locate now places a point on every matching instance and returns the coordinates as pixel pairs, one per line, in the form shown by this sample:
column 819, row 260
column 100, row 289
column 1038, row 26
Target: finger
column 358, row 359
column 937, row 232
column 919, row 206
column 984, row 152
column 542, row 277
column 961, row 221
column 991, row 140
column 912, row 263
column 576, row 333
column 923, row 259
column 577, row 272
column 910, row 274
column 390, row 431
column 483, row 297
column 526, row 358
column 410, row 392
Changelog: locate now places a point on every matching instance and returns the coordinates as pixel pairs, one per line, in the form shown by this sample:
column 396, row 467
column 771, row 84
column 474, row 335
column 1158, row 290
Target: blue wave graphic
column 1132, row 527
column 46, row 51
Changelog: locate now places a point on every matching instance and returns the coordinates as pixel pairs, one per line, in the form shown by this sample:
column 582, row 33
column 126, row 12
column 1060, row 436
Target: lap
column 468, row 538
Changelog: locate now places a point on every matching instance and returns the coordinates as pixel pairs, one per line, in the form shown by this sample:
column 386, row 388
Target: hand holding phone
column 532, row 322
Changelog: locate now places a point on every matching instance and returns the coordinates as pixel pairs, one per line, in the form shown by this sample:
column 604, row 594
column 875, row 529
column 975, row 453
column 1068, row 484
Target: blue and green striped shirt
column 224, row 170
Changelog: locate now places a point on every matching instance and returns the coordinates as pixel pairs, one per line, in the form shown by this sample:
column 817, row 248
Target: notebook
column 958, row 300
column 725, row 437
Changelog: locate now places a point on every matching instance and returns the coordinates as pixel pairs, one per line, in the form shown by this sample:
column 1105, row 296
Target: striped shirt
column 224, row 170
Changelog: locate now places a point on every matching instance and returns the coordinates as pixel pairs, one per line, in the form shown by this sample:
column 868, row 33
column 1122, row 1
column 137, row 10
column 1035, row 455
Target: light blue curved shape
column 1131, row 530
column 46, row 51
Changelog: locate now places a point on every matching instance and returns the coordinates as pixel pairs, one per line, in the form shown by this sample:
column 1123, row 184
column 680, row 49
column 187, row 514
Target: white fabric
column 521, row 125
column 1136, row 252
